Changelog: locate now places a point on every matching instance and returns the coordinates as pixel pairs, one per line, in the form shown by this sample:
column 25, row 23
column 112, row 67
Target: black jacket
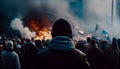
column 61, row 54
column 96, row 58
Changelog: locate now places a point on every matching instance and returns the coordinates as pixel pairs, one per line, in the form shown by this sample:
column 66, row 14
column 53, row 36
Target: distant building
column 77, row 7
column 118, row 7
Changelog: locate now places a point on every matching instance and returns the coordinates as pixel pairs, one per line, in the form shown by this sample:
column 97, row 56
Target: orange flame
column 43, row 33
column 41, row 29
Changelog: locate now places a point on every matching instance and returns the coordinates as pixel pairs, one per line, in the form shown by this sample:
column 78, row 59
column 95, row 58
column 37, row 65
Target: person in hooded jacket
column 61, row 52
column 96, row 56
column 11, row 58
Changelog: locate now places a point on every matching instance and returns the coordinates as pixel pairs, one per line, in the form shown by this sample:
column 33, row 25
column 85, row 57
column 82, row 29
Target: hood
column 62, row 28
column 61, row 43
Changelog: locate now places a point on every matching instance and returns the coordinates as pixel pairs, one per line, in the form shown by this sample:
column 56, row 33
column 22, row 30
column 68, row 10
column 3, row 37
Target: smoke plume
column 99, row 12
column 93, row 12
column 25, row 32
column 51, row 9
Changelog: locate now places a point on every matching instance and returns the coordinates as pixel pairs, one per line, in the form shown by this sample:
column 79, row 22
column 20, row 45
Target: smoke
column 56, row 8
column 93, row 12
column 25, row 32
column 99, row 12
column 51, row 9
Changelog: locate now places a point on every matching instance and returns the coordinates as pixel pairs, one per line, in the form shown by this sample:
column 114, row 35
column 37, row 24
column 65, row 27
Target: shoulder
column 43, row 52
column 14, row 53
column 10, row 54
column 78, row 52
column 4, row 52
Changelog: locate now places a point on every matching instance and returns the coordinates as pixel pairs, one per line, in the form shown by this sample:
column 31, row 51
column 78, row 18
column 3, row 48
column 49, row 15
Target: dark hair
column 93, row 43
column 114, row 43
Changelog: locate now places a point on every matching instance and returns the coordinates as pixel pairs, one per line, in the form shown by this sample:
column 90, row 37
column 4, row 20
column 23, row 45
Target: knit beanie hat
column 61, row 28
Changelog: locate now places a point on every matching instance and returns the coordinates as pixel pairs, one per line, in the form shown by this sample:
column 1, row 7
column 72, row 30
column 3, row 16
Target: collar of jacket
column 61, row 43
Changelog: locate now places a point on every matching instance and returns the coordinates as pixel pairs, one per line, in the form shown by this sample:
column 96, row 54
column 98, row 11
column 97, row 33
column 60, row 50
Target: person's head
column 93, row 43
column 1, row 46
column 31, row 45
column 114, row 43
column 103, row 42
column 118, row 42
column 88, row 39
column 61, row 28
column 10, row 44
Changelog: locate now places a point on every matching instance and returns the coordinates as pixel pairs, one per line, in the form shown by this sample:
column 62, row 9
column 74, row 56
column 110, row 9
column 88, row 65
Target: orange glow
column 42, row 34
column 41, row 29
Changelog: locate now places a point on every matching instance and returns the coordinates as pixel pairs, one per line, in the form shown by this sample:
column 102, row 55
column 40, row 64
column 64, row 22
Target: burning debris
column 39, row 22
column 41, row 29
column 43, row 34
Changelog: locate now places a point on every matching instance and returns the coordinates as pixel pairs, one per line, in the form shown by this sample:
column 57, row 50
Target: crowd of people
column 61, row 52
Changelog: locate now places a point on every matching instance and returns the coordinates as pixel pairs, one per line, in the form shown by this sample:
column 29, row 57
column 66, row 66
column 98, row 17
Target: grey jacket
column 11, row 60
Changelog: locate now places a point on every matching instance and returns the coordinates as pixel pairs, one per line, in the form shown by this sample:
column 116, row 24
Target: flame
column 43, row 33
column 41, row 29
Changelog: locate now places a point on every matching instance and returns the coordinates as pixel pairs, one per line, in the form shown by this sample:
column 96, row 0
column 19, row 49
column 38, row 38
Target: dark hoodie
column 61, row 55
column 61, row 52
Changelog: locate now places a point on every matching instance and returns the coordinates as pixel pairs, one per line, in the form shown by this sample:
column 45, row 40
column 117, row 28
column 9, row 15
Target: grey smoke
column 95, row 12
column 99, row 12
column 57, row 8
column 25, row 32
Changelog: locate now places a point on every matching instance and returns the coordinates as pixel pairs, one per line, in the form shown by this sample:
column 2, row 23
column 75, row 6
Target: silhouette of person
column 61, row 52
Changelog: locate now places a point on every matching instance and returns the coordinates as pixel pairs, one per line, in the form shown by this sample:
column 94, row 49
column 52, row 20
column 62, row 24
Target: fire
column 43, row 33
column 41, row 28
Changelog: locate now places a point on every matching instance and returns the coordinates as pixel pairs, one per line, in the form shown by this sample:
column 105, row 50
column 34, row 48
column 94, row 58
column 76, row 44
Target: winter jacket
column 113, row 57
column 11, row 59
column 61, row 54
column 96, row 58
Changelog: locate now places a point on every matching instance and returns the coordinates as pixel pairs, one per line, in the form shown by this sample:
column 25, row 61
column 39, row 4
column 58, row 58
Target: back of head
column 61, row 28
column 88, row 39
column 10, row 44
column 32, row 45
column 118, row 42
column 93, row 43
column 114, row 43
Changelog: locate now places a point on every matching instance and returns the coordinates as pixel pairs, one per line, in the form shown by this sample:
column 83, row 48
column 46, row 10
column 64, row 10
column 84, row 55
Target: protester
column 95, row 56
column 113, row 54
column 61, row 53
column 2, row 64
column 10, row 57
column 104, row 46
column 39, row 44
column 82, row 45
column 118, row 42
column 30, row 55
